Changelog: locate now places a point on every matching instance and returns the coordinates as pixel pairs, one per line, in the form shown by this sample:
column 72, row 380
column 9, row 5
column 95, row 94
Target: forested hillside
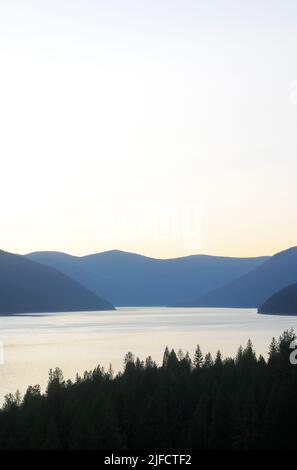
column 240, row 403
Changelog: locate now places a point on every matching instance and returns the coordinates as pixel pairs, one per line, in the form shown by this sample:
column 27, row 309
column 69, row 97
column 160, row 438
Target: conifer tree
column 208, row 361
column 198, row 357
column 165, row 356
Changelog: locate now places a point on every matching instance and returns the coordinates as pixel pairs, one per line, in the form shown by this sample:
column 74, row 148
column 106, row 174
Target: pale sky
column 161, row 127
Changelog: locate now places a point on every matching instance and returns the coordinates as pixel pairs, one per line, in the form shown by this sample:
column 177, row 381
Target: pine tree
column 218, row 360
column 110, row 372
column 188, row 359
column 165, row 356
column 129, row 362
column 149, row 363
column 139, row 364
column 273, row 351
column 129, row 359
column 208, row 361
column 180, row 355
column 198, row 357
column 239, row 355
column 248, row 352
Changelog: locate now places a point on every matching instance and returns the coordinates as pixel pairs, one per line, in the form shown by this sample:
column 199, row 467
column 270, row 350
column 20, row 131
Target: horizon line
column 116, row 250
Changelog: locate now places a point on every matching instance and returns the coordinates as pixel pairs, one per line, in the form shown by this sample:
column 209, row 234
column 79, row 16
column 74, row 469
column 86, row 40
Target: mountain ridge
column 252, row 289
column 130, row 279
column 27, row 286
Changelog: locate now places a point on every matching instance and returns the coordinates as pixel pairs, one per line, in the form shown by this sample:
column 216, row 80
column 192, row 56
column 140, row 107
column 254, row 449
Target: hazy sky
column 163, row 127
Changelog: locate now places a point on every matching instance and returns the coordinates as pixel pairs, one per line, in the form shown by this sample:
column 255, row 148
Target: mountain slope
column 252, row 289
column 135, row 280
column 283, row 302
column 29, row 287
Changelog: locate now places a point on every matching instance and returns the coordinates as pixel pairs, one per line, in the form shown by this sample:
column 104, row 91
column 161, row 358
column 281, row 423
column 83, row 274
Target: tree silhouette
column 240, row 403
column 198, row 357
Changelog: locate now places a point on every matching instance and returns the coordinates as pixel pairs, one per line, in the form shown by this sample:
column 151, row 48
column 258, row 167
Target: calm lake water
column 80, row 341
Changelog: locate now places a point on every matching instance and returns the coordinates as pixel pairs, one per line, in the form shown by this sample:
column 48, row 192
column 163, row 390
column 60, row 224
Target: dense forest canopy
column 245, row 402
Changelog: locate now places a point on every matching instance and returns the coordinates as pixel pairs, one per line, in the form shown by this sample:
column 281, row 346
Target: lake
column 32, row 344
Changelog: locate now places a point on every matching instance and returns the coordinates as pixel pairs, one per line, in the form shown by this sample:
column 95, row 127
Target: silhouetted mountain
column 130, row 279
column 29, row 287
column 283, row 302
column 252, row 289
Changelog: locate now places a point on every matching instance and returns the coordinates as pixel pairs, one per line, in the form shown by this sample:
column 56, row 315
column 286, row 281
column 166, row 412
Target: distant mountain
column 283, row 302
column 128, row 279
column 252, row 289
column 29, row 287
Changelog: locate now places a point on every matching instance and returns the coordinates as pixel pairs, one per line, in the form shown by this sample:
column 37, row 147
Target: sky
column 161, row 127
